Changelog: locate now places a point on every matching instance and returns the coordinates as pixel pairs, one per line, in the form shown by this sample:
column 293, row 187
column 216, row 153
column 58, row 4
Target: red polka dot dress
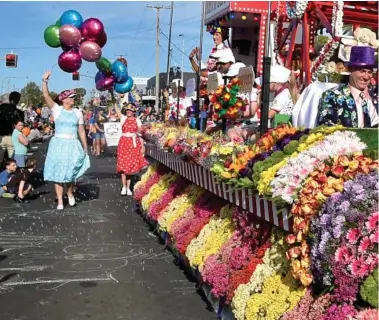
column 130, row 159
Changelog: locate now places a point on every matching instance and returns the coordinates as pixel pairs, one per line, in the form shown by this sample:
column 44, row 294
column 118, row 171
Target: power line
column 174, row 44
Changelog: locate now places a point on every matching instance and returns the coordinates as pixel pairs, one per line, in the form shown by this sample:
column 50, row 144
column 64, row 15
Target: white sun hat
column 278, row 74
column 234, row 69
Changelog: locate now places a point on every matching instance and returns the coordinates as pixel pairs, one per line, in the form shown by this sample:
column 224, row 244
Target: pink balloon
column 69, row 36
column 90, row 51
column 92, row 29
column 102, row 40
column 70, row 61
column 106, row 83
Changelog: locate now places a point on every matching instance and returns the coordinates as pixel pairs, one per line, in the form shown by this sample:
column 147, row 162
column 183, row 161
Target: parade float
column 282, row 228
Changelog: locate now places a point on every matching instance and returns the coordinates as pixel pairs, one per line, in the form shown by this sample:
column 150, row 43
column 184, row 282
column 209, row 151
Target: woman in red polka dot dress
column 130, row 150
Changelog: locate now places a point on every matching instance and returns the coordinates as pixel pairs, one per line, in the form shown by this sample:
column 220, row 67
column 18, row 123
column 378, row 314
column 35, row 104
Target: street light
column 182, row 35
column 10, row 78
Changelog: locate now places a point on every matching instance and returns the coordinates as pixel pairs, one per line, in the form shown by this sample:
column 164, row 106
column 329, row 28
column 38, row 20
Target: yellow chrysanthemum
column 211, row 238
column 279, row 295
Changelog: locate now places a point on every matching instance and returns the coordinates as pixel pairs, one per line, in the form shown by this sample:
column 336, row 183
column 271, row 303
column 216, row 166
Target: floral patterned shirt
column 337, row 106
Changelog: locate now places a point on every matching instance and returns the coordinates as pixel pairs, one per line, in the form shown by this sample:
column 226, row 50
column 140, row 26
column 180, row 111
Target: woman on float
column 130, row 150
column 220, row 35
column 67, row 157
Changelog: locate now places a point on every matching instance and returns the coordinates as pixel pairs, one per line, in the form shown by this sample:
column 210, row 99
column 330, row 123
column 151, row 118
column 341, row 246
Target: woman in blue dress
column 67, row 158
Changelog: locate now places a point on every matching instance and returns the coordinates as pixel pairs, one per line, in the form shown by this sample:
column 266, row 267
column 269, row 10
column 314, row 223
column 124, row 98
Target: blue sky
column 130, row 27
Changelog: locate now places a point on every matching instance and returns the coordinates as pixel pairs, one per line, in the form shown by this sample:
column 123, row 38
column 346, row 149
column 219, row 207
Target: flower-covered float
column 322, row 266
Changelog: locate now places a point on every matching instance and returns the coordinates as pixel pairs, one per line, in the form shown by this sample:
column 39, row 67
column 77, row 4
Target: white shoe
column 129, row 192
column 123, row 191
column 60, row 207
column 71, row 201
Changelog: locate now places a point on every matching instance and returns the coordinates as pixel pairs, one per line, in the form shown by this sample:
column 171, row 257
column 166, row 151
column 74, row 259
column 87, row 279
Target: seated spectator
column 19, row 182
column 35, row 134
column 20, row 143
column 10, row 168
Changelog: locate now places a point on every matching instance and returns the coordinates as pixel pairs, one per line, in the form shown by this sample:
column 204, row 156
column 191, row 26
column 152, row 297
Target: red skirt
column 130, row 160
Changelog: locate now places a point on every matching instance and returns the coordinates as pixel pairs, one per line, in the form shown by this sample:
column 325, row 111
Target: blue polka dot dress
column 66, row 160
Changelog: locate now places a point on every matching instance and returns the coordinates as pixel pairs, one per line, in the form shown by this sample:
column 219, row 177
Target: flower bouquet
column 226, row 103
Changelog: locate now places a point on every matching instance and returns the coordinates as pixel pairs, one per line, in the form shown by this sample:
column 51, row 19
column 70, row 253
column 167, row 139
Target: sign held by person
column 246, row 76
column 112, row 133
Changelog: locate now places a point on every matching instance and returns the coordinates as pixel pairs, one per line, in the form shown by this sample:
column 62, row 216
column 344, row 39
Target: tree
column 31, row 94
column 80, row 93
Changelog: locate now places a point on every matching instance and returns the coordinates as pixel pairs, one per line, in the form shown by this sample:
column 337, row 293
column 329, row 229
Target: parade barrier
column 244, row 198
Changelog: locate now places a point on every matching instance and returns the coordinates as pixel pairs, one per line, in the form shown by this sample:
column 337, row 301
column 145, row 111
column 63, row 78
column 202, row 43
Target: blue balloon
column 72, row 18
column 99, row 76
column 120, row 72
column 124, row 87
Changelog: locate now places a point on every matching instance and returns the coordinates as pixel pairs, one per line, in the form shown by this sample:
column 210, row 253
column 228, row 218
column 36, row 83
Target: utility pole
column 182, row 35
column 157, row 9
column 169, row 45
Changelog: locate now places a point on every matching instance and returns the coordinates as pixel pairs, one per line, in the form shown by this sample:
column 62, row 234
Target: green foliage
column 80, row 93
column 291, row 147
column 31, row 94
column 370, row 138
column 369, row 289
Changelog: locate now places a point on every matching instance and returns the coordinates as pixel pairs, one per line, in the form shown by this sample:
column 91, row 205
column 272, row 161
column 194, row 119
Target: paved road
column 96, row 261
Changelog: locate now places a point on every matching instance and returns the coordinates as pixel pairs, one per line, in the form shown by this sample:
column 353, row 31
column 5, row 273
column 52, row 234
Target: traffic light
column 75, row 76
column 11, row 60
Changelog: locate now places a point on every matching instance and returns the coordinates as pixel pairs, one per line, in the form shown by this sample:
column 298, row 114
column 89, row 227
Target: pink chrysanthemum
column 359, row 268
column 368, row 314
column 372, row 223
column 343, row 255
column 353, row 235
column 364, row 245
column 375, row 237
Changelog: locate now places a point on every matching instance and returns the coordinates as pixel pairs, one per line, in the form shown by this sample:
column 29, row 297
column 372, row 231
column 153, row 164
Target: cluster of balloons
column 83, row 40
column 79, row 40
column 113, row 75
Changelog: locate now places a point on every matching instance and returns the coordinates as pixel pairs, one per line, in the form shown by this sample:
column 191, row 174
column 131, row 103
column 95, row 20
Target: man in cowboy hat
column 350, row 104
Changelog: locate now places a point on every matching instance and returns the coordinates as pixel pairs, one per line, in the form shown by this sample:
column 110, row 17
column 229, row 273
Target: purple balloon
column 92, row 29
column 106, row 83
column 69, row 36
column 70, row 61
column 99, row 76
column 90, row 51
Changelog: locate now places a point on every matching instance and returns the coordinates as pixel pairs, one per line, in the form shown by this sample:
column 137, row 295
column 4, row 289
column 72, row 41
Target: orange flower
column 306, row 279
column 212, row 98
column 338, row 170
column 291, row 239
column 343, row 160
column 217, row 106
column 227, row 96
column 353, row 164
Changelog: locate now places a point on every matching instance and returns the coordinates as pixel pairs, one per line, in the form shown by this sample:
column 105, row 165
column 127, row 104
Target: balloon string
column 54, row 66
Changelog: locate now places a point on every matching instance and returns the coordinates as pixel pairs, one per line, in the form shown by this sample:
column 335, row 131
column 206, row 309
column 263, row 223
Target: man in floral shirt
column 351, row 104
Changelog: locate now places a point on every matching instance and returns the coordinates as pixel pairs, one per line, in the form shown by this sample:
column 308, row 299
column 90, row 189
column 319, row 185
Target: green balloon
column 58, row 23
column 51, row 36
column 104, row 65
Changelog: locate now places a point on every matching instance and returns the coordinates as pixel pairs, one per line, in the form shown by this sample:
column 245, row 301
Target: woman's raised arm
column 45, row 90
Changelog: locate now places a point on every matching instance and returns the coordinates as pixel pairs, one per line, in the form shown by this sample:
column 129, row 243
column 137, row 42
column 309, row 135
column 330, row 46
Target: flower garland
column 279, row 295
column 174, row 190
column 274, row 261
column 266, row 177
column 178, row 207
column 348, row 224
column 211, row 238
column 322, row 183
column 337, row 18
column 297, row 11
column 157, row 190
column 188, row 227
column 323, row 58
column 291, row 176
column 278, row 30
